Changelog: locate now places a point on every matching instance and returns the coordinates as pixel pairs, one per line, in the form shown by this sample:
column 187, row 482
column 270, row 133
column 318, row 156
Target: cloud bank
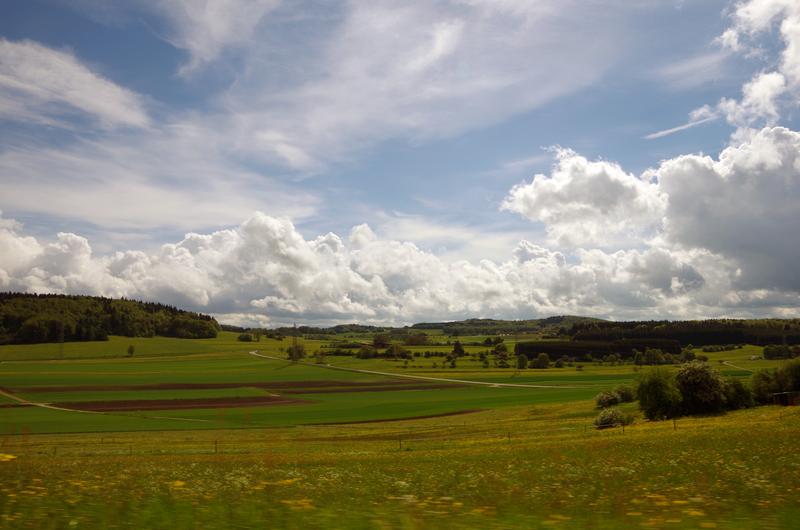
column 723, row 242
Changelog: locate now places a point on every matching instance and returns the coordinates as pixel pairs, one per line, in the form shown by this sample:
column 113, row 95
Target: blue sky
column 128, row 126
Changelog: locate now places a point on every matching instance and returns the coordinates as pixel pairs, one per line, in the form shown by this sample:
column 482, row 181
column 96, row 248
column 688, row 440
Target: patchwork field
column 206, row 434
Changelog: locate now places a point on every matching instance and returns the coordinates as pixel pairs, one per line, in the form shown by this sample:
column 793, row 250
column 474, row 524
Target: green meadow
column 345, row 449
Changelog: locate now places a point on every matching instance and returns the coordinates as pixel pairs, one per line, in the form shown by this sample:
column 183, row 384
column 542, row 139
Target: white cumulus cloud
column 588, row 202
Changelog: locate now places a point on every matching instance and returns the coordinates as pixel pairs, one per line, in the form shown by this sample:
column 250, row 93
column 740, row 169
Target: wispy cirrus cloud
column 206, row 29
column 48, row 86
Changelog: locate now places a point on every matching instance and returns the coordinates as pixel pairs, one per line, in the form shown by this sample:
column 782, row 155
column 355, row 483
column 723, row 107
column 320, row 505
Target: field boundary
column 418, row 377
column 23, row 401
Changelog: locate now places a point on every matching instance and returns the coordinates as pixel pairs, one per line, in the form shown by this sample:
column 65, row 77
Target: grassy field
column 101, row 372
column 24, row 378
column 515, row 467
column 332, row 455
column 118, row 347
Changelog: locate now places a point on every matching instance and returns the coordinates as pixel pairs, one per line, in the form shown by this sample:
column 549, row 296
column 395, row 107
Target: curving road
column 417, row 377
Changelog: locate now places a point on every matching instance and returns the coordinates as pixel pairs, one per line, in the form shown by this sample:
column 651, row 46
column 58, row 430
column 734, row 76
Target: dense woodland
column 557, row 325
column 32, row 318
column 697, row 332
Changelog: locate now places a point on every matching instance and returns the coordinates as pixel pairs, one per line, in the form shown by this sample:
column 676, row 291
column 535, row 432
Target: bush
column 791, row 375
column 296, row 352
column 626, row 393
column 701, row 387
column 658, row 394
column 606, row 399
column 737, row 395
column 368, row 352
column 542, row 361
column 522, row 361
column 612, row 417
column 779, row 351
column 245, row 337
column 764, row 383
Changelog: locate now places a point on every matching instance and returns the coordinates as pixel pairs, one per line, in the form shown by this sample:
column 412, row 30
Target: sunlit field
column 516, row 467
column 200, row 433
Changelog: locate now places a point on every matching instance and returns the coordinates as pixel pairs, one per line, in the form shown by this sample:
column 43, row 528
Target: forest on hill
column 760, row 331
column 34, row 318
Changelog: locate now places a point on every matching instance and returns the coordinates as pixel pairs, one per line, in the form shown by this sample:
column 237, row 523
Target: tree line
column 706, row 332
column 33, row 318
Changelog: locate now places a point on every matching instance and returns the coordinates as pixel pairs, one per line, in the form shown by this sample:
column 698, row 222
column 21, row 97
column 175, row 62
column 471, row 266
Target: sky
column 271, row 162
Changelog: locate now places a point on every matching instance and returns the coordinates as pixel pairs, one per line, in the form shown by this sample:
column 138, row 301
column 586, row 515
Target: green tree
column 737, row 395
column 702, row 388
column 380, row 341
column 542, row 361
column 458, row 349
column 366, row 352
column 658, row 394
column 500, row 348
column 522, row 361
column 296, row 352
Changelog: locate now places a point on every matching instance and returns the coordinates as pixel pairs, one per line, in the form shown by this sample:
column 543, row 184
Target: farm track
column 417, row 377
column 728, row 363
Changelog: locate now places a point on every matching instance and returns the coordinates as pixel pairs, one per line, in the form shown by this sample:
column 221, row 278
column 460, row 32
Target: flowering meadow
column 518, row 467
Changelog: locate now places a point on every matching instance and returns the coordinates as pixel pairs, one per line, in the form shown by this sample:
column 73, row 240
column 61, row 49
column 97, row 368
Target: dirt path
column 737, row 367
column 418, row 377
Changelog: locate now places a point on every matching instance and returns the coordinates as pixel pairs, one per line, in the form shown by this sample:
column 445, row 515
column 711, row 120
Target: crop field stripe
column 422, row 377
column 103, row 413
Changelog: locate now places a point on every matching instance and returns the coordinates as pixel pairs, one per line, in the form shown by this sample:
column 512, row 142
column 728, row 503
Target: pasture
column 532, row 466
column 190, row 433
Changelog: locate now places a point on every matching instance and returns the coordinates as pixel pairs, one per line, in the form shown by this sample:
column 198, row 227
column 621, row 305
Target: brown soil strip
column 293, row 387
column 177, row 404
column 376, row 388
column 386, row 420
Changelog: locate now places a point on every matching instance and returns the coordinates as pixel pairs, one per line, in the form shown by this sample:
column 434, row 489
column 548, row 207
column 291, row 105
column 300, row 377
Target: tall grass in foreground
column 525, row 467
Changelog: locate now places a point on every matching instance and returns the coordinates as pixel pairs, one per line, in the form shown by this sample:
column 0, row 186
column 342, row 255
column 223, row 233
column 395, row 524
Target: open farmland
column 205, row 433
column 215, row 383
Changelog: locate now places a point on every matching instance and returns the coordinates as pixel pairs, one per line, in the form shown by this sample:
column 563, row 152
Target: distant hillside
column 487, row 326
column 32, row 318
